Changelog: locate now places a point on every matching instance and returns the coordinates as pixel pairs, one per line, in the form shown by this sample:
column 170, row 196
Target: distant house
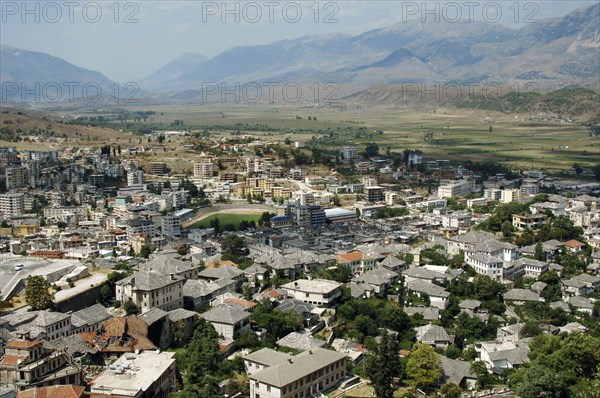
column 433, row 335
column 458, row 372
column 357, row 262
column 321, row 292
column 199, row 293
column 520, row 296
column 438, row 296
column 227, row 320
column 149, row 289
column 381, row 279
column 500, row 356
column 574, row 246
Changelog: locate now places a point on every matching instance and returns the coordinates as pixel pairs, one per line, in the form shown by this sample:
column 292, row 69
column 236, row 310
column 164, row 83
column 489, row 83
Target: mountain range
column 553, row 53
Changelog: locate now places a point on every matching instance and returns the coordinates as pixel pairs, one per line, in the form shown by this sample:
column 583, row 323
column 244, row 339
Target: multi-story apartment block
column 170, row 225
column 374, row 194
column 456, row 189
column 135, row 177
column 16, row 177
column 203, row 170
column 349, row 152
column 12, row 204
column 357, row 262
column 157, row 168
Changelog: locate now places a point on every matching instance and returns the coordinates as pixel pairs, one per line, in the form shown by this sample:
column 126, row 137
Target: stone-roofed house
column 223, row 272
column 424, row 274
column 89, row 319
column 302, row 341
column 148, row 289
column 500, row 356
column 198, row 294
column 264, row 358
column 428, row 313
column 257, row 275
column 169, row 264
column 393, row 263
column 182, row 323
column 465, row 242
column 50, row 325
column 380, row 279
column 458, row 372
column 360, row 290
column 159, row 331
column 307, row 374
column 438, row 296
column 520, row 296
column 575, row 287
column 433, row 335
column 305, row 310
column 582, row 304
column 228, row 321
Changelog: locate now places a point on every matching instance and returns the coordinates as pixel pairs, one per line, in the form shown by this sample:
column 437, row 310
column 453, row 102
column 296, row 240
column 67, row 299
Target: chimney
column 290, row 360
column 172, row 276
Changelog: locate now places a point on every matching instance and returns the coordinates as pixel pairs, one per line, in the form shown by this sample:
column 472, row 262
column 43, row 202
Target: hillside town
column 258, row 273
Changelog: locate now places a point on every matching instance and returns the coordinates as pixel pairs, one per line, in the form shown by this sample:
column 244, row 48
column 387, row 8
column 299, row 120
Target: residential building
column 16, row 177
column 157, row 168
column 170, row 225
column 374, row 194
column 135, row 177
column 149, row 289
column 228, row 320
column 148, row 374
column 531, row 221
column 203, row 170
column 321, row 292
column 307, row 374
column 27, row 363
column 357, row 262
column 12, row 204
column 433, row 335
column 349, row 152
column 456, row 189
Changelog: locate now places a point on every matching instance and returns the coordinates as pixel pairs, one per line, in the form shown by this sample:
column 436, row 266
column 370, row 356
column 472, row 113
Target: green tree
column 383, row 365
column 105, row 294
column 145, row 251
column 480, row 369
column 539, row 381
column 233, row 248
column 424, row 367
column 450, row 390
column 37, row 293
column 215, row 224
column 371, row 150
column 130, row 308
column 596, row 171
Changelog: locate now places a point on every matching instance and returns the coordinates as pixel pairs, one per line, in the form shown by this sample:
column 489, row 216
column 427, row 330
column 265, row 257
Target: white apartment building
column 16, row 177
column 58, row 213
column 308, row 374
column 12, row 204
column 391, row 198
column 349, row 152
column 456, row 189
column 321, row 292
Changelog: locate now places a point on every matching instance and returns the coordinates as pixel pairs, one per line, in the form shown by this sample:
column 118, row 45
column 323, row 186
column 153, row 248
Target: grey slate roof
column 301, row 341
column 455, row 370
column 469, row 304
column 428, row 313
column 224, row 271
column 165, row 265
column 521, row 295
column 149, row 280
column 225, row 314
column 427, row 287
column 95, row 314
column 181, row 313
column 153, row 315
column 378, row 277
column 431, row 333
column 302, row 365
column 268, row 357
column 292, row 304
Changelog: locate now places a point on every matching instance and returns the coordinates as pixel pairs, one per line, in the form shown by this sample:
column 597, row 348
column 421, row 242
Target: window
column 268, row 388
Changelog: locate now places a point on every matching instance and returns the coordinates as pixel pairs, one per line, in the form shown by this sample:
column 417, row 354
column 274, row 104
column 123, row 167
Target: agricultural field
column 519, row 140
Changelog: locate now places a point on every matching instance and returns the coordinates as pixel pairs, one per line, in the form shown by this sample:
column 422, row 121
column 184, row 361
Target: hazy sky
column 128, row 40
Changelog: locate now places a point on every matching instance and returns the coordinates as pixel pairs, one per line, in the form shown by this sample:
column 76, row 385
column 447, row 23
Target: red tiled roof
column 22, row 344
column 11, row 360
column 68, row 391
column 574, row 243
column 352, row 256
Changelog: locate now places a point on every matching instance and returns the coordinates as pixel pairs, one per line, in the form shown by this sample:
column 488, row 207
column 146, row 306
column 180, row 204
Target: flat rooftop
column 138, row 373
